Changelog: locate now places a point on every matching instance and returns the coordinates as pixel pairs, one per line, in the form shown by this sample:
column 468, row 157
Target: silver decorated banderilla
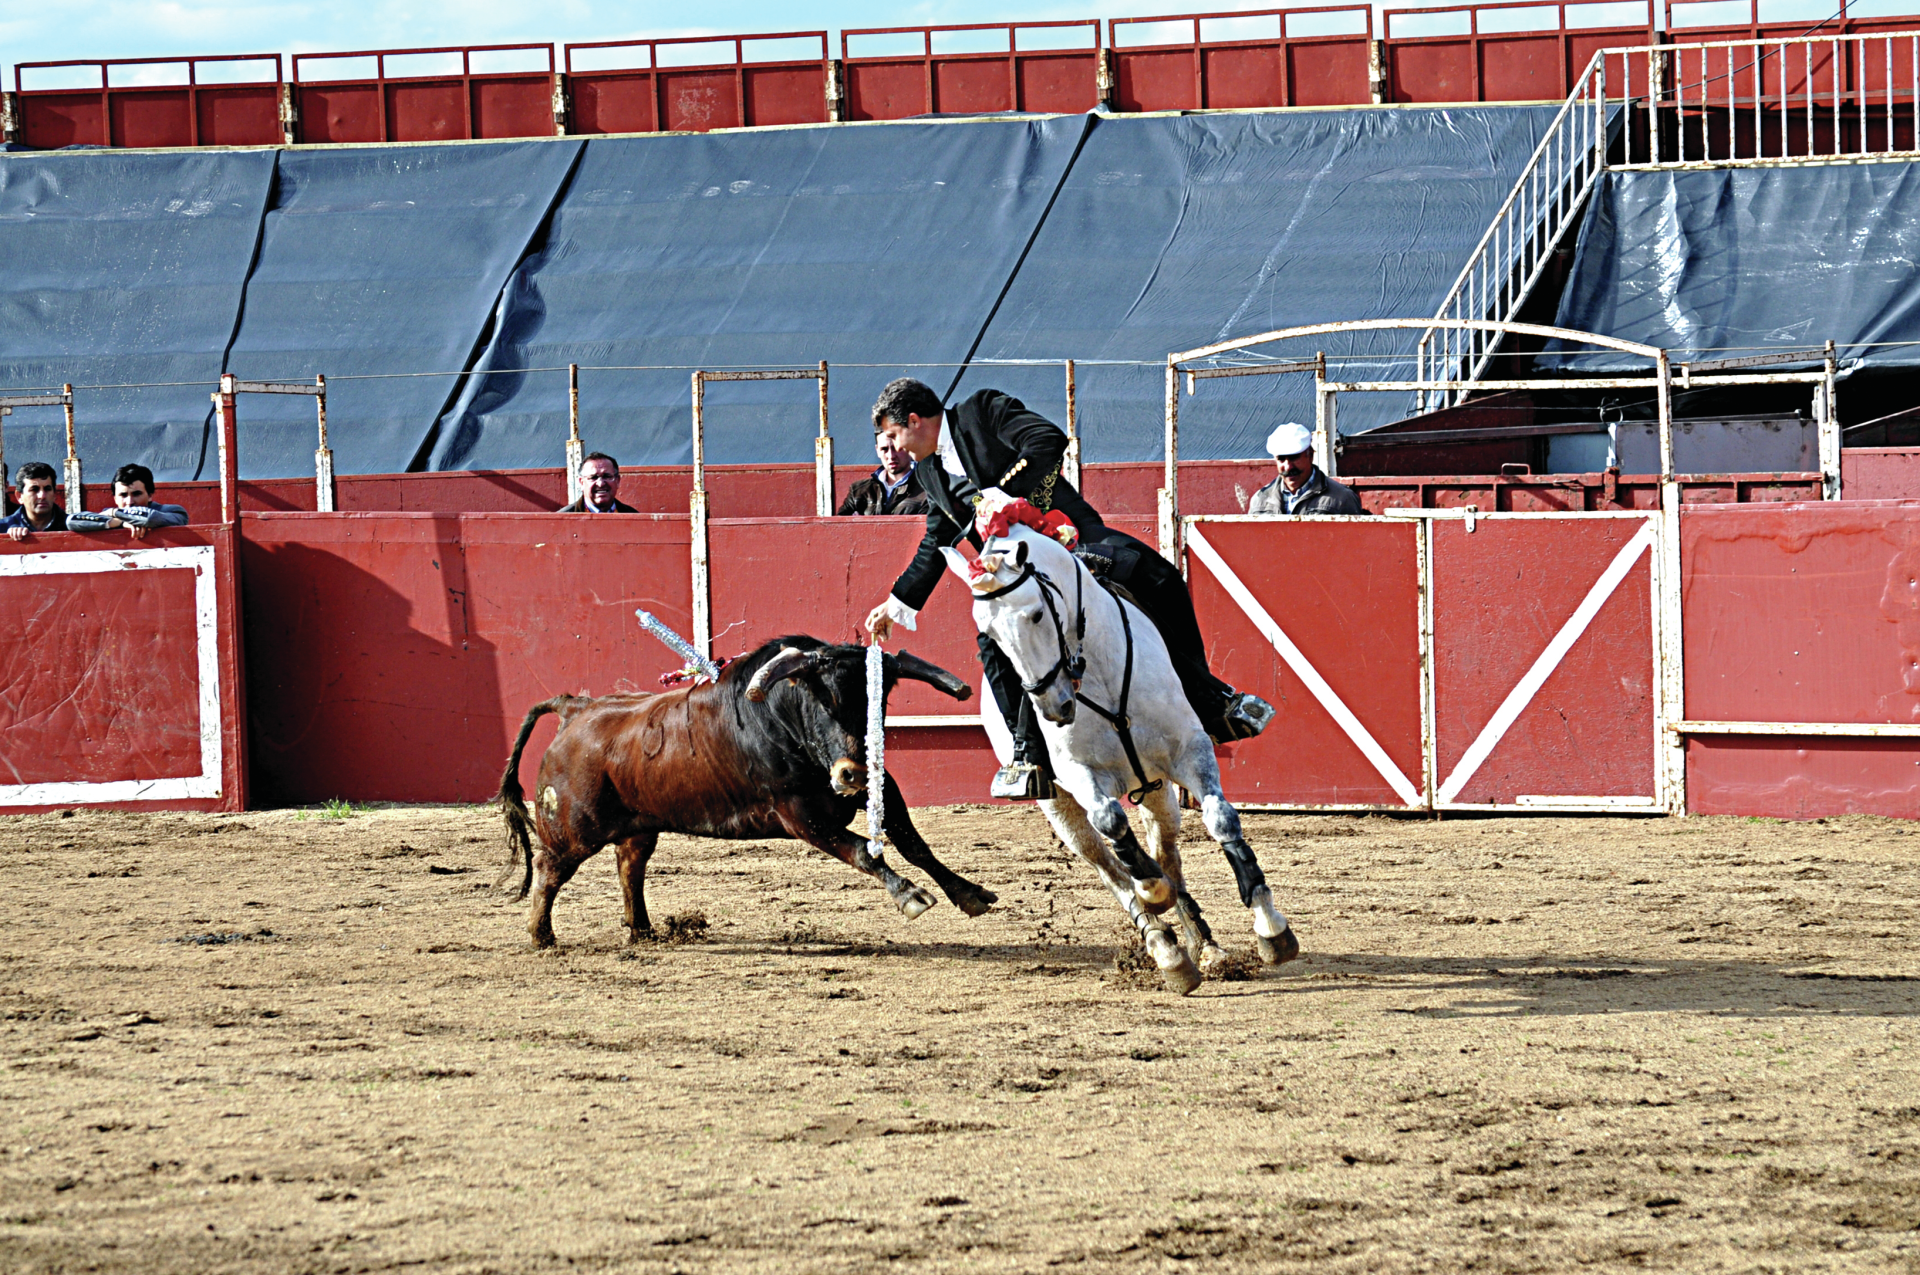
column 679, row 645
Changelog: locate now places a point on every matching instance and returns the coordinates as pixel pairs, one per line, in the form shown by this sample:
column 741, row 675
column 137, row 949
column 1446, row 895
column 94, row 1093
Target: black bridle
column 1073, row 661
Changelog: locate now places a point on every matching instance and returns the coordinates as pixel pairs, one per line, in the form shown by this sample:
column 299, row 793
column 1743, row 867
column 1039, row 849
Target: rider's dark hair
column 901, row 399
column 129, row 474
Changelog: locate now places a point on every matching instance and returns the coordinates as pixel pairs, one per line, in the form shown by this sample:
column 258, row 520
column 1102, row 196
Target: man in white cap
column 1301, row 488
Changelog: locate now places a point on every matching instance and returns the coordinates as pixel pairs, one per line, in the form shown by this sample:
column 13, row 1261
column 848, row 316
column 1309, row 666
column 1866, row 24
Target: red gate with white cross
column 1438, row 660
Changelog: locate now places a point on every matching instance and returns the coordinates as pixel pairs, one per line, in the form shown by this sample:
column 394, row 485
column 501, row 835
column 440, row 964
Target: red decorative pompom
column 1021, row 513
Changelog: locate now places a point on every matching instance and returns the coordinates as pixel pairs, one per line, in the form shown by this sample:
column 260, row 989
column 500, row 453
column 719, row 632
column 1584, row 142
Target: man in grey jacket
column 1301, row 488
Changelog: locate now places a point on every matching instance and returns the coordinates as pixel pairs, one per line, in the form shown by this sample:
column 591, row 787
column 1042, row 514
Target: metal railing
column 1513, row 253
column 1776, row 100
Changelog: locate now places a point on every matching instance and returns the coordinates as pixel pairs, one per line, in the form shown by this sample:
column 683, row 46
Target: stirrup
column 1021, row 781
column 1246, row 716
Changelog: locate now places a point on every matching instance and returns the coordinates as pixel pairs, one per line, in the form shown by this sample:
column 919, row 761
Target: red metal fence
column 1296, row 66
column 1325, row 55
column 341, row 103
column 1505, row 53
column 895, row 86
column 651, row 97
column 190, row 113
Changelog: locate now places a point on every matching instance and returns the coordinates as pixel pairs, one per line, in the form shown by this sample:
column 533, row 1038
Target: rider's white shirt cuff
column 902, row 614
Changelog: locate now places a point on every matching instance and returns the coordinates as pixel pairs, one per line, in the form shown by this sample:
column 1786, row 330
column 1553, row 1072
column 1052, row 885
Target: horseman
column 991, row 451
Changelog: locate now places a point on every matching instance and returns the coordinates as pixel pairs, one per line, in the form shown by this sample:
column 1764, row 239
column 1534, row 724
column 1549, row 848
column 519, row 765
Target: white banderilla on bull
column 876, row 749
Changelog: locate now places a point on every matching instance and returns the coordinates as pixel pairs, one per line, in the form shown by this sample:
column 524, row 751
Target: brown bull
column 775, row 748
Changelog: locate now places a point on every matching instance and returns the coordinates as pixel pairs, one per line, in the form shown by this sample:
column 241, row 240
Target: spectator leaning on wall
column 599, row 487
column 133, row 507
column 37, row 511
column 1301, row 488
column 894, row 488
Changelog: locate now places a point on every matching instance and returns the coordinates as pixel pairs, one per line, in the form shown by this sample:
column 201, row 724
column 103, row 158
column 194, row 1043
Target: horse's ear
column 959, row 564
column 1020, row 553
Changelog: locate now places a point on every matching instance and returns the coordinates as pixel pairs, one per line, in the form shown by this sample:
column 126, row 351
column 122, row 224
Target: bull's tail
column 513, row 798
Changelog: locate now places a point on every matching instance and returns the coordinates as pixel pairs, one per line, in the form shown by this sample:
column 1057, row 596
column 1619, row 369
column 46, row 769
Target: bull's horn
column 790, row 661
column 914, row 669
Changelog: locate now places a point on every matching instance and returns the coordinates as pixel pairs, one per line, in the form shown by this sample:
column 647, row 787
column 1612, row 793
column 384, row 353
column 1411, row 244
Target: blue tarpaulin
column 1177, row 232
column 121, row 269
column 1733, row 262
column 883, row 249
column 866, row 244
column 381, row 260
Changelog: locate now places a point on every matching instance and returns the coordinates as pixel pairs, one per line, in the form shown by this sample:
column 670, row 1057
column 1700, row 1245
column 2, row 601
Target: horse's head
column 1029, row 598
column 825, row 703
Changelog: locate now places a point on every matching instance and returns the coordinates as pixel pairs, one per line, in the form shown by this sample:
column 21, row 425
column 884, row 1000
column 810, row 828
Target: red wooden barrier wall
column 1016, row 79
column 120, row 673
column 1288, row 69
column 649, row 97
column 184, row 114
column 391, row 656
column 422, row 108
column 1803, row 613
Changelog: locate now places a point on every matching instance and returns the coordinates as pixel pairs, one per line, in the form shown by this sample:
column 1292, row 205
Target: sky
column 43, row 31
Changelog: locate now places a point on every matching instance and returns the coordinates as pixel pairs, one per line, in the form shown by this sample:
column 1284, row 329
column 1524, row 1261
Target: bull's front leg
column 817, row 828
column 970, row 898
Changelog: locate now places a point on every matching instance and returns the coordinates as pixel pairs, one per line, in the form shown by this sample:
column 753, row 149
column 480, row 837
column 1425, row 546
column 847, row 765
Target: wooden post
column 323, row 458
column 1070, row 462
column 697, row 506
column 1169, row 495
column 76, row 494
column 823, row 457
column 575, row 452
column 229, row 451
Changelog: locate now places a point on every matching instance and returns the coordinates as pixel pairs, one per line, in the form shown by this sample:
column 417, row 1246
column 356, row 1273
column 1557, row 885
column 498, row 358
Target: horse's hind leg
column 1069, row 821
column 1199, row 773
column 632, row 855
column 1163, row 842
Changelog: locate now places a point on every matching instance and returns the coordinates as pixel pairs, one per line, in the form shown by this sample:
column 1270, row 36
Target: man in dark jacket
column 891, row 489
column 599, row 487
column 991, row 448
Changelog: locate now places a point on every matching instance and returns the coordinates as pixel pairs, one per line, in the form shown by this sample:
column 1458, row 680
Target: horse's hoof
column 915, row 903
column 1278, row 951
column 1177, row 969
column 1213, row 957
column 1155, row 896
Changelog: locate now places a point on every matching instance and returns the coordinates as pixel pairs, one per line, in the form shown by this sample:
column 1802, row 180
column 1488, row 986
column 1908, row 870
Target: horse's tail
column 513, row 798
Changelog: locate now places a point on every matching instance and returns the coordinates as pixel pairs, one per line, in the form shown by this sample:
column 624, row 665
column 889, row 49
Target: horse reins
column 1073, row 662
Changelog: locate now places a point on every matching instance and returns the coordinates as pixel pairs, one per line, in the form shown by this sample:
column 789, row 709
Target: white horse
column 1076, row 645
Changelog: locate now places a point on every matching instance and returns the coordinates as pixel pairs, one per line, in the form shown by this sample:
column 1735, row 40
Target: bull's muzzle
column 849, row 777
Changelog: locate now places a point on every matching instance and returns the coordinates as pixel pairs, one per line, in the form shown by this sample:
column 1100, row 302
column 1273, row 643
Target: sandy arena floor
column 278, row 1042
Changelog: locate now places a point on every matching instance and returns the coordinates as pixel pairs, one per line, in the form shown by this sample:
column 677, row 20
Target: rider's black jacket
column 1001, row 444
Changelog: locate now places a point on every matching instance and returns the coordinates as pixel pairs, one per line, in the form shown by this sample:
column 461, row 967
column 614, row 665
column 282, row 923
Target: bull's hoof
column 914, row 902
column 1177, row 969
column 1155, row 896
column 1278, row 951
column 541, row 942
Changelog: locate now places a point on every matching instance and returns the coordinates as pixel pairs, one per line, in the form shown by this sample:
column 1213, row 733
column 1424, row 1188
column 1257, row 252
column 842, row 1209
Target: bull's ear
column 790, row 661
column 914, row 669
